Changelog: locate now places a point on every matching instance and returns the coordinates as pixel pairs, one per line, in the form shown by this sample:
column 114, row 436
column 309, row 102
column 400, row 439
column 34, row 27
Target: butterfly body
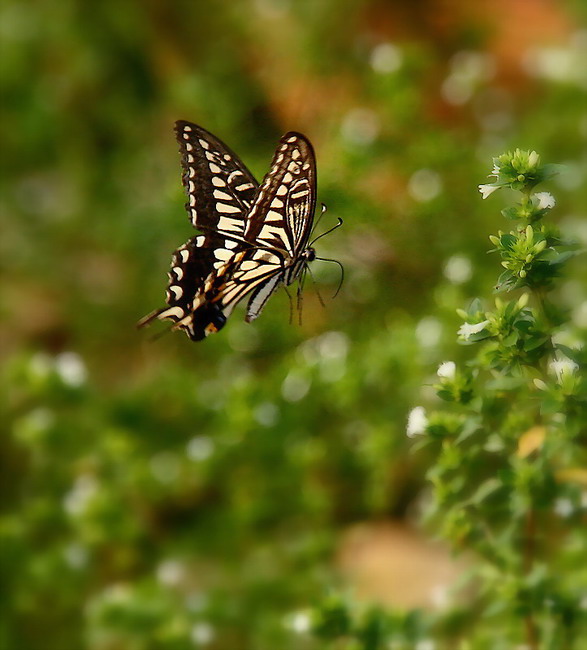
column 254, row 237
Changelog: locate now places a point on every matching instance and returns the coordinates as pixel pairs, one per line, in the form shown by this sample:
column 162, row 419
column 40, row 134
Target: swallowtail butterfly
column 253, row 238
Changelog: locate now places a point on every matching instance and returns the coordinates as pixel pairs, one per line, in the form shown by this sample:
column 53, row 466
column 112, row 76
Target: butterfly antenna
column 322, row 211
column 338, row 225
column 327, row 259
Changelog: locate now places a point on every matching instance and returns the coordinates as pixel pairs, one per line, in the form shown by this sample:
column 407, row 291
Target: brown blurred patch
column 396, row 566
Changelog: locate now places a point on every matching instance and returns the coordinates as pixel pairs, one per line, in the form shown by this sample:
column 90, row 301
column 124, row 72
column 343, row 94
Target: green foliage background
column 168, row 495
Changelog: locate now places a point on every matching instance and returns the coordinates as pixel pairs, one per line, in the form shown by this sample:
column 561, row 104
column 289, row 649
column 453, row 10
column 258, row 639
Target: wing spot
column 229, row 243
column 227, row 157
column 276, row 203
column 178, row 271
column 185, row 255
column 288, row 178
column 218, row 182
column 232, row 174
column 186, row 136
column 223, row 254
column 203, row 143
column 192, row 200
column 214, row 168
column 292, row 139
column 225, row 208
column 188, row 146
column 281, row 190
column 295, row 154
column 299, row 195
column 187, row 128
column 173, row 313
column 176, row 290
column 200, row 240
column 191, row 186
column 244, row 186
column 190, row 158
column 226, row 223
column 218, row 194
column 293, row 167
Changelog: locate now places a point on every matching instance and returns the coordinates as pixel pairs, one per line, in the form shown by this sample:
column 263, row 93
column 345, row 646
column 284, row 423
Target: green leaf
column 487, row 488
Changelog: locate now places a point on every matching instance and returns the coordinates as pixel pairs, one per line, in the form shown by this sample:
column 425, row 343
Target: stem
column 529, row 555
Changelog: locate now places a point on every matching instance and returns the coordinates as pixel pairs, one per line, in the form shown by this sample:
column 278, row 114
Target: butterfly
column 254, row 238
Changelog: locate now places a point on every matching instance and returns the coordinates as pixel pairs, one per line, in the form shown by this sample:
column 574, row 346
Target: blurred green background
column 170, row 495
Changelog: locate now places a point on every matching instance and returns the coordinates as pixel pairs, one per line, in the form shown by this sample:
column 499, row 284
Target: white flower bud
column 447, row 370
column 417, row 422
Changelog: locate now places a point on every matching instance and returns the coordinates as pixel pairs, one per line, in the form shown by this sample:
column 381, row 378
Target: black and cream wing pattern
column 253, row 238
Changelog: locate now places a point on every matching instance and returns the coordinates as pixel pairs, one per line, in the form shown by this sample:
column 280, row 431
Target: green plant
column 508, row 482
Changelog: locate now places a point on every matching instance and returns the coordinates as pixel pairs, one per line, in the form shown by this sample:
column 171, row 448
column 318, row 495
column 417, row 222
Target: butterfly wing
column 278, row 228
column 220, row 188
column 220, row 191
column 283, row 213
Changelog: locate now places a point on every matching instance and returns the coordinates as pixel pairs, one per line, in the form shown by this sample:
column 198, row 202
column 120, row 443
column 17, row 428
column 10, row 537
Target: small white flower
column 84, row 490
column 417, row 422
column 496, row 170
column 361, row 126
column 429, row 332
column 170, row 572
column 562, row 368
column 467, row 329
column 76, row 556
column 563, row 507
column 71, row 369
column 447, row 370
column 545, row 200
column 425, row 644
column 200, row 448
column 458, row 269
column 202, row 633
column 386, row 58
column 424, row 185
column 300, row 622
column 487, row 190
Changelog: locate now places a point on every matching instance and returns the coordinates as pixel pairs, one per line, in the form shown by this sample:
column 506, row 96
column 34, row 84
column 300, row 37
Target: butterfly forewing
column 220, row 188
column 283, row 212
